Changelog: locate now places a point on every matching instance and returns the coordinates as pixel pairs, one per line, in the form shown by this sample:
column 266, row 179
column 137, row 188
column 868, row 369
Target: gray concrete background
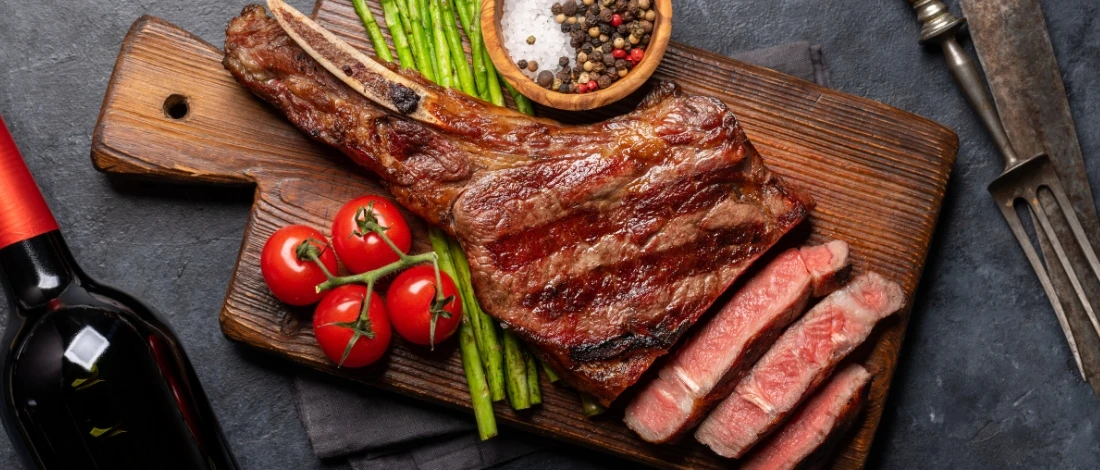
column 985, row 381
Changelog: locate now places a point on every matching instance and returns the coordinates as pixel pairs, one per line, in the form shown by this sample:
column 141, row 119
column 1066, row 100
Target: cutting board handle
column 159, row 120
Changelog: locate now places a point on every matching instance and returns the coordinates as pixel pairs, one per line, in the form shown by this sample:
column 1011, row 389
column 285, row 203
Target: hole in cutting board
column 176, row 106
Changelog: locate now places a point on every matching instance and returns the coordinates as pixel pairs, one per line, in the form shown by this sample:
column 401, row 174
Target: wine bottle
column 92, row 379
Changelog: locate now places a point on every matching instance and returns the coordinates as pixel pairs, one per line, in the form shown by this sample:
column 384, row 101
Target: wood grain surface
column 491, row 11
column 172, row 112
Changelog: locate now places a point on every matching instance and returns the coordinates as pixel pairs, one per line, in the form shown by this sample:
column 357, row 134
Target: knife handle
column 938, row 25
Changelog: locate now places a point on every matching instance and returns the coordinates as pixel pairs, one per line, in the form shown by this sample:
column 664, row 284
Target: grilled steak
column 711, row 363
column 812, row 431
column 798, row 362
column 598, row 244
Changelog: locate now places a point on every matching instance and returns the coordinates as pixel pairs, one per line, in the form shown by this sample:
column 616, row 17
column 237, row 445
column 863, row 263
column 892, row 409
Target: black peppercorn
column 564, row 88
column 613, row 73
column 587, row 48
column 591, row 19
column 606, row 48
column 606, row 29
column 566, row 27
column 522, row 63
column 577, row 69
column 545, row 79
column 563, row 61
column 621, row 64
column 596, row 54
column 556, row 9
column 647, row 26
column 608, row 60
column 604, row 81
column 605, row 15
column 645, row 39
column 569, row 8
column 563, row 75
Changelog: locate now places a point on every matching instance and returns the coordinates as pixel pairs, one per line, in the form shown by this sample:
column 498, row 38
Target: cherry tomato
column 337, row 318
column 288, row 272
column 360, row 249
column 409, row 301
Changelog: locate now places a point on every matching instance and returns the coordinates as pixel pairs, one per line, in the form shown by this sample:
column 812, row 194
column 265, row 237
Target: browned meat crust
column 599, row 244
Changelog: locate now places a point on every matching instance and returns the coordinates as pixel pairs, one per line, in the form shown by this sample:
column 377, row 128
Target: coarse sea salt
column 521, row 19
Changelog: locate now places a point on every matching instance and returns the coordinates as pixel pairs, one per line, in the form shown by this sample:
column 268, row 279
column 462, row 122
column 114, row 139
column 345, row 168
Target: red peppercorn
column 636, row 54
column 582, row 88
column 593, row 86
column 616, row 20
column 618, row 54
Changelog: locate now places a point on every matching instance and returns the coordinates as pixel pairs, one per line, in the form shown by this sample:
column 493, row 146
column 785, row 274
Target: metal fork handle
column 940, row 26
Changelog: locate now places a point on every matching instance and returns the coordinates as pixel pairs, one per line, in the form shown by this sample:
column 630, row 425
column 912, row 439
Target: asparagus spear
column 515, row 374
column 381, row 49
column 475, row 377
column 465, row 15
column 403, row 10
column 421, row 42
column 550, row 373
column 590, row 406
column 495, row 95
column 533, row 390
column 471, row 361
column 442, row 49
column 397, row 31
column 491, row 354
column 458, row 56
column 523, row 103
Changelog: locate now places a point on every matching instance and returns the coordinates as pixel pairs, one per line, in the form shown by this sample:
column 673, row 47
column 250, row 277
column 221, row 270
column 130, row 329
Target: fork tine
column 1081, row 238
column 1060, row 250
column 1008, row 209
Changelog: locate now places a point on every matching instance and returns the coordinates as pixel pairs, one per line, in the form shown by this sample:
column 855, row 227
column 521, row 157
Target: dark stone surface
column 986, row 379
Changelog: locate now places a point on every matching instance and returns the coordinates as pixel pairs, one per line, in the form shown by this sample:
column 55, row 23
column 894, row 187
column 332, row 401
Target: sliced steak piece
column 599, row 244
column 710, row 364
column 829, row 268
column 797, row 363
column 813, row 430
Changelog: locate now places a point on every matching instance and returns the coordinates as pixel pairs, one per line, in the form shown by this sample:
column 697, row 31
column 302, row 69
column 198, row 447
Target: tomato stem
column 307, row 251
column 366, row 224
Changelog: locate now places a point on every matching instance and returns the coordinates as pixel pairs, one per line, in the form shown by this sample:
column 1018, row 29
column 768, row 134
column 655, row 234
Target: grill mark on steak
column 599, row 245
column 631, row 280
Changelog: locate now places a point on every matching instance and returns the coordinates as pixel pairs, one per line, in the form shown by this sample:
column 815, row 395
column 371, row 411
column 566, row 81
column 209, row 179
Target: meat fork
column 1032, row 182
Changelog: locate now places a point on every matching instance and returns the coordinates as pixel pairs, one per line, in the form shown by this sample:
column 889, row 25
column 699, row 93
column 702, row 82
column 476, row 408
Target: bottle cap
column 23, row 211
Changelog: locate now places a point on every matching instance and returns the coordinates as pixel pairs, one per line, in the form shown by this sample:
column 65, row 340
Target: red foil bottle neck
column 23, row 210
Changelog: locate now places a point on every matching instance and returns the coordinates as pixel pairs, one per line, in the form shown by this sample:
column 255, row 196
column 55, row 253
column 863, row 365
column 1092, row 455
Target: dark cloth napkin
column 377, row 430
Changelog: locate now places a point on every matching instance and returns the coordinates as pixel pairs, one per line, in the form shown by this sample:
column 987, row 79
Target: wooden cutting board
column 172, row 112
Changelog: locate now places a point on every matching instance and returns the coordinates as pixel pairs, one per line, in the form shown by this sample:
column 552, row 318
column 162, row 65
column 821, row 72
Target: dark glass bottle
column 92, row 379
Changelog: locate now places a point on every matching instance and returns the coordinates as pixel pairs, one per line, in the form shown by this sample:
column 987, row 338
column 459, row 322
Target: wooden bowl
column 494, row 42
